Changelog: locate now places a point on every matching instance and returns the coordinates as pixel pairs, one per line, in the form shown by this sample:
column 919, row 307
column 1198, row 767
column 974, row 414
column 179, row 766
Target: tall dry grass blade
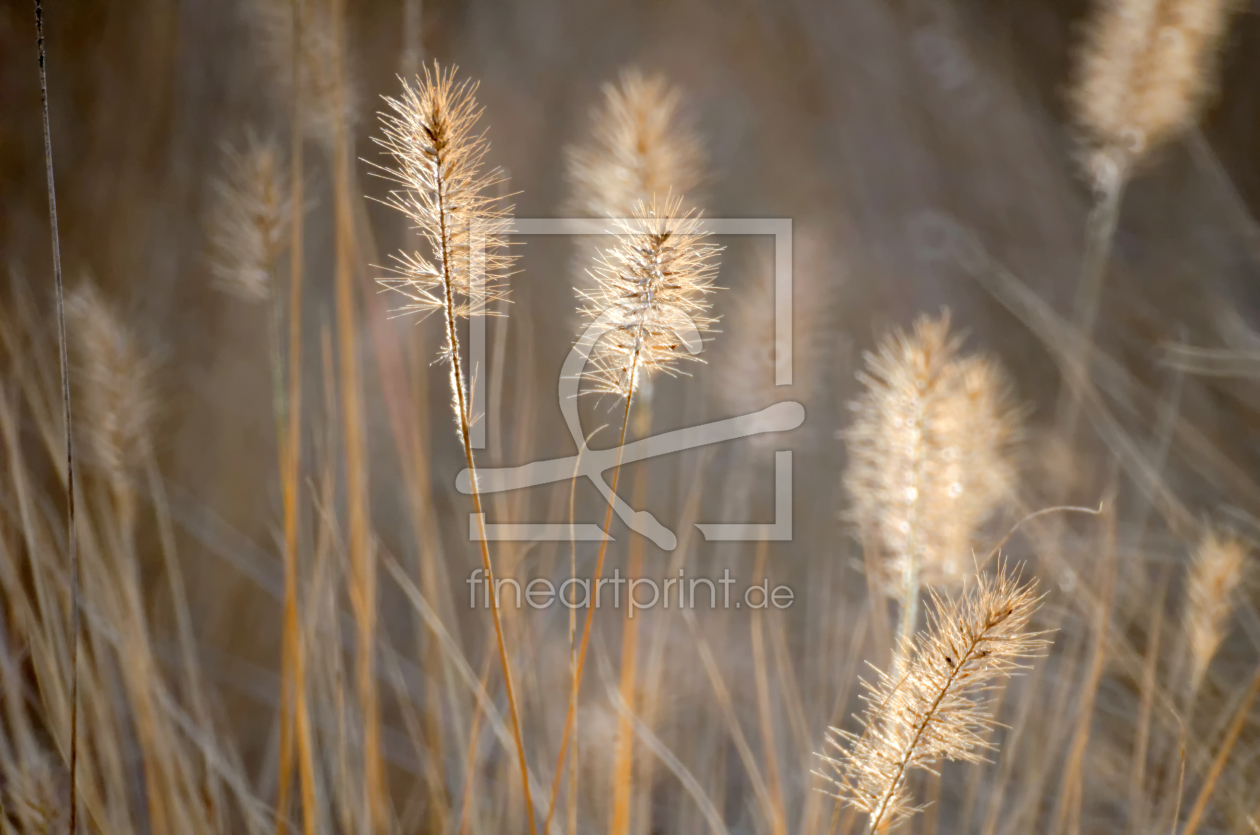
column 71, row 535
column 449, row 198
column 931, row 712
column 1222, row 756
column 930, row 457
column 362, row 552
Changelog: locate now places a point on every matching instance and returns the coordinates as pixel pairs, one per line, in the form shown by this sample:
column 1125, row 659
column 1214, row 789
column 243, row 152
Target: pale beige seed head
column 326, row 99
column 1217, row 570
column 748, row 379
column 1144, row 73
column 114, row 383
column 930, row 451
column 456, row 206
column 651, row 296
column 936, row 709
column 249, row 219
column 640, row 148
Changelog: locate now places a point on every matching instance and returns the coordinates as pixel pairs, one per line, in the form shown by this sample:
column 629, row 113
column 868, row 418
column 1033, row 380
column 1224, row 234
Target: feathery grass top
column 1146, row 68
column 932, row 711
column 639, row 149
column 1215, row 575
column 652, row 294
column 115, row 386
column 439, row 156
column 248, row 223
column 929, row 450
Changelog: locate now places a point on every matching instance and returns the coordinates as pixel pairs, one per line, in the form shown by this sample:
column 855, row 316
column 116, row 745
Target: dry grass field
column 951, row 304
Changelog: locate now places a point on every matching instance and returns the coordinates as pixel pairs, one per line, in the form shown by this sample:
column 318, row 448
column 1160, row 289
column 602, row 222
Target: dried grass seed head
column 249, row 218
column 453, row 203
column 326, row 98
column 1217, row 571
column 1144, row 72
column 114, row 382
column 651, row 293
column 930, row 451
column 748, row 381
column 640, row 148
column 935, row 710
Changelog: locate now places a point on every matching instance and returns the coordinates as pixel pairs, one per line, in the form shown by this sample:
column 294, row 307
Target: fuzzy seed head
column 1144, row 73
column 438, row 160
column 326, row 99
column 1217, row 571
column 934, row 710
column 652, row 289
column 748, row 381
column 930, row 451
column 249, row 219
column 114, row 381
column 639, row 149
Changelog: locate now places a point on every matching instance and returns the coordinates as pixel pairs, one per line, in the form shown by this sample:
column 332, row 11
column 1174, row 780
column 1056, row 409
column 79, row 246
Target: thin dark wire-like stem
column 72, row 539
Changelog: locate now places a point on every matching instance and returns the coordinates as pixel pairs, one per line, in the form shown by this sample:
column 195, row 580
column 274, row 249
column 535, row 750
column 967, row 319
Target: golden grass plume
column 933, row 710
column 114, row 376
column 453, row 203
column 930, row 451
column 651, row 292
column 325, row 98
column 1217, row 571
column 248, row 225
column 1144, row 73
column 639, row 148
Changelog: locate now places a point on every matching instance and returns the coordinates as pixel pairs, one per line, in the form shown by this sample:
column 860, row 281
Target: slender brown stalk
column 293, row 680
column 1222, row 756
column 650, row 300
column 71, row 531
column 362, row 555
column 447, row 196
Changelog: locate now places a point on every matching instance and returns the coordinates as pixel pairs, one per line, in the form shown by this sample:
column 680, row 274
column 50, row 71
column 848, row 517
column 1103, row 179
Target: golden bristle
column 651, row 294
column 1144, row 73
column 114, row 378
column 1215, row 575
column 454, row 204
column 639, row 149
column 932, row 711
column 248, row 223
column 930, row 451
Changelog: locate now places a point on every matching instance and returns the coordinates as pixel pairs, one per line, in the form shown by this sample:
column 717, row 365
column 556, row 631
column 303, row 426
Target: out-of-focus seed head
column 930, row 451
column 114, row 383
column 639, row 149
column 249, row 219
column 1217, row 570
column 1143, row 75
